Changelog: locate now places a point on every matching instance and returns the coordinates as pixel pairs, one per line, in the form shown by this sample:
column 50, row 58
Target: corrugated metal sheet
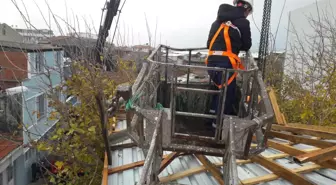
column 183, row 163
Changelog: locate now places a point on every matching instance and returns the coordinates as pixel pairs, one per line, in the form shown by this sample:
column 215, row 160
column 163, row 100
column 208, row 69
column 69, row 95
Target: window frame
column 38, row 103
column 58, row 59
column 39, row 62
column 10, row 173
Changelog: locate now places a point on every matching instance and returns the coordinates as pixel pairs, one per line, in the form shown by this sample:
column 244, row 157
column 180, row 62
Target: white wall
column 10, row 160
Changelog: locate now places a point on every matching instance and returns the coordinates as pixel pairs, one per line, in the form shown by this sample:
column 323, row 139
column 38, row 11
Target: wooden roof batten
column 293, row 135
column 292, row 175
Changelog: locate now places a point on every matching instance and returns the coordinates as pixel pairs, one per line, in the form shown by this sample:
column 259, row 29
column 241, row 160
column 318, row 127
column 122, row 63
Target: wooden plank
column 304, row 131
column 317, row 156
column 105, row 171
column 272, row 177
column 303, row 140
column 128, row 166
column 294, row 152
column 277, row 156
column 281, row 171
column 167, row 160
column 141, row 163
column 251, row 181
column 123, row 146
column 125, row 167
column 183, row 174
column 211, row 168
column 284, row 119
column 275, row 105
column 201, row 169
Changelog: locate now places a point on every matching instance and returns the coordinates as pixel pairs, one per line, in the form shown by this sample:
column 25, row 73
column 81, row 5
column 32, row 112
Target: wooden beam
column 304, row 131
column 298, row 139
column 256, row 180
column 317, row 156
column 281, row 171
column 211, row 168
column 200, row 169
column 122, row 146
column 167, row 160
column 139, row 163
column 284, row 119
column 183, row 174
column 128, row 166
column 125, row 167
column 272, row 177
column 277, row 156
column 294, row 152
column 276, row 108
column 105, row 171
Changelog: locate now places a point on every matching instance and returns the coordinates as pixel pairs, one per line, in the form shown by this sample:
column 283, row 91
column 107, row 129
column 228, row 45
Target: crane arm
column 110, row 10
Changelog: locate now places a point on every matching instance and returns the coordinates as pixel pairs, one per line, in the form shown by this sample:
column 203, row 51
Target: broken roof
column 188, row 170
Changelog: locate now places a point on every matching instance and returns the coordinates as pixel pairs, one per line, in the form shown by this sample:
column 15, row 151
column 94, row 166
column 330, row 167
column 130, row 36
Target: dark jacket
column 238, row 43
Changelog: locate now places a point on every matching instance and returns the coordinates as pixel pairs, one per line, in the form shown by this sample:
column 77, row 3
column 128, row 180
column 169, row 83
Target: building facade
column 7, row 33
column 36, row 61
column 34, row 35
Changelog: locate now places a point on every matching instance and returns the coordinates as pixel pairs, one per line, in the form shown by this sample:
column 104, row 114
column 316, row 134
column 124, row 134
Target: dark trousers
column 216, row 77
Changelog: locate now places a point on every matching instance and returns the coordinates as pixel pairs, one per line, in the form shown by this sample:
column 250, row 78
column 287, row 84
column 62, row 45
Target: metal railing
column 253, row 116
column 154, row 102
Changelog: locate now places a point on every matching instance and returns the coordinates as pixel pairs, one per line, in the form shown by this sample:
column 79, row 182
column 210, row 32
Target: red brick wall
column 16, row 72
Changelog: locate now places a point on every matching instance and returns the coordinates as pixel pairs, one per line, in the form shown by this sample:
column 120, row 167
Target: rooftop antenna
column 155, row 31
column 148, row 31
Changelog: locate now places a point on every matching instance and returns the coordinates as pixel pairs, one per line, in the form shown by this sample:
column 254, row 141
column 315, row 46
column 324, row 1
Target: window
column 39, row 62
column 9, row 173
column 58, row 59
column 59, row 95
column 2, row 106
column 4, row 30
column 1, row 179
column 26, row 156
column 41, row 108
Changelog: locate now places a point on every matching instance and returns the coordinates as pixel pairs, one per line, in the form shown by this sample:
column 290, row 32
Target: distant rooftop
column 71, row 41
column 27, row 46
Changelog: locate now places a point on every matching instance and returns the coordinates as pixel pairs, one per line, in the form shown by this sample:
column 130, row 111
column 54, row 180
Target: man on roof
column 229, row 34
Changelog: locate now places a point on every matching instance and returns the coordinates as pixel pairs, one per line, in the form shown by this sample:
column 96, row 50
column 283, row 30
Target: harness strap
column 234, row 59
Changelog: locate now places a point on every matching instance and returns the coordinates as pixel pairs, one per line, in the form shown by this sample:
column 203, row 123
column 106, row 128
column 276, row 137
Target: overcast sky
column 181, row 23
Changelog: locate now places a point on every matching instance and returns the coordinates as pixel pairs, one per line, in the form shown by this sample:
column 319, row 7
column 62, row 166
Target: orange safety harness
column 234, row 59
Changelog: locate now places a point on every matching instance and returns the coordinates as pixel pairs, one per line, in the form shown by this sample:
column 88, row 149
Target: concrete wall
column 9, row 34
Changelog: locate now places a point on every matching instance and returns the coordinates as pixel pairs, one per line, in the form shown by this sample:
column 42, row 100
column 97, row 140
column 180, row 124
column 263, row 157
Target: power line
column 115, row 29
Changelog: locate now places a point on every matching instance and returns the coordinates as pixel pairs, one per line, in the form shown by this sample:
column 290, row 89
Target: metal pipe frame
column 198, row 90
column 257, row 84
column 221, row 107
